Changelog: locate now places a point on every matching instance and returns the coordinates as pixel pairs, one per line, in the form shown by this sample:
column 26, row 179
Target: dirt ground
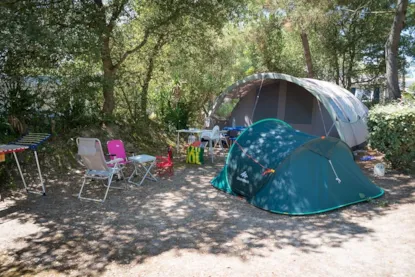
column 182, row 226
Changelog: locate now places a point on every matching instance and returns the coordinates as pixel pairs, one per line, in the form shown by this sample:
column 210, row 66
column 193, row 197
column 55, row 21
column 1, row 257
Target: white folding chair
column 213, row 137
column 90, row 150
column 223, row 138
column 191, row 139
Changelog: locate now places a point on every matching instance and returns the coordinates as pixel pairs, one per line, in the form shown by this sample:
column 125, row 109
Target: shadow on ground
column 184, row 212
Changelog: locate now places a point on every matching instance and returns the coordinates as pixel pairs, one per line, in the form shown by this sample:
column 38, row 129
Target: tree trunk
column 144, row 96
column 110, row 68
column 336, row 68
column 350, row 70
column 146, row 84
column 307, row 54
column 391, row 51
column 108, row 83
column 149, row 75
column 403, row 84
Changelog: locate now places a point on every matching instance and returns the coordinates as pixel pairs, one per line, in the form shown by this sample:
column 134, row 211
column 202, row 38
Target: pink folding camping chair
column 116, row 150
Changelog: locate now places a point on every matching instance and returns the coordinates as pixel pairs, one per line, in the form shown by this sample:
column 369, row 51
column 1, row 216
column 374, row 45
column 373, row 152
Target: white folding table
column 192, row 131
column 142, row 166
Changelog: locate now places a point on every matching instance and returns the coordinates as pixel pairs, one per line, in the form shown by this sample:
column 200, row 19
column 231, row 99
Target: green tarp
column 282, row 170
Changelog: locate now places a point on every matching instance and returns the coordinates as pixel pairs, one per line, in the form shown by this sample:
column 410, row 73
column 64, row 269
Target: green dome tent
column 282, row 170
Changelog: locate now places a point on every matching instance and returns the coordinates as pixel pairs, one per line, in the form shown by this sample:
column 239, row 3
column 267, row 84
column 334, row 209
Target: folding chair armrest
column 115, row 161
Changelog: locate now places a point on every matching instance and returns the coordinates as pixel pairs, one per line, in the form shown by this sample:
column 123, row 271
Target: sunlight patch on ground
column 13, row 231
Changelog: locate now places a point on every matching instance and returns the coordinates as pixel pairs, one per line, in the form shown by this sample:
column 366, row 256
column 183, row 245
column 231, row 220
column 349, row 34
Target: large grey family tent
column 283, row 170
column 315, row 107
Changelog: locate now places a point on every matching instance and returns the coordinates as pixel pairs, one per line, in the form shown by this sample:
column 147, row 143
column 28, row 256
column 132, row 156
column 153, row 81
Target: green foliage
column 411, row 89
column 353, row 39
column 371, row 104
column 177, row 115
column 408, row 97
column 392, row 132
column 174, row 111
column 17, row 103
column 227, row 107
column 46, row 104
column 75, row 102
column 270, row 42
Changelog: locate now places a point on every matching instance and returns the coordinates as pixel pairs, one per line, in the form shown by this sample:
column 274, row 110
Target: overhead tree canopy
column 86, row 60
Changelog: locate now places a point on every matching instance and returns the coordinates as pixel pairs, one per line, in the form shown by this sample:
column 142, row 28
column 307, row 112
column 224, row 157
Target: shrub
column 177, row 116
column 392, row 131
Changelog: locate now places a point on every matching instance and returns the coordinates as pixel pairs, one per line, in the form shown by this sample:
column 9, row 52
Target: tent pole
column 257, row 98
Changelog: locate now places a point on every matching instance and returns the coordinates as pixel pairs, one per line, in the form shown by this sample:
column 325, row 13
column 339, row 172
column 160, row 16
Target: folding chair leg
column 226, row 142
column 108, row 187
column 218, row 141
column 82, row 187
column 123, row 177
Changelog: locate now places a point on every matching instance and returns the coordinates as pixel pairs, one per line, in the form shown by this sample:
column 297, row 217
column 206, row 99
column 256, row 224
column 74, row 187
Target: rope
column 322, row 119
column 334, row 171
column 331, row 128
column 266, row 169
column 257, row 98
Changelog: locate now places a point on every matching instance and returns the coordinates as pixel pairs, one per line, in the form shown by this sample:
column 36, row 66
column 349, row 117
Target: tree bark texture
column 391, row 51
column 307, row 54
column 149, row 75
column 108, row 83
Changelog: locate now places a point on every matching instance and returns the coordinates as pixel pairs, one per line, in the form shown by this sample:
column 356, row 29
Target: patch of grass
column 382, row 203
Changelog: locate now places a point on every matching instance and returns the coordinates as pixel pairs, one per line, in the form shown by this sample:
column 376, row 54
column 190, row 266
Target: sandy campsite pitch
column 182, row 226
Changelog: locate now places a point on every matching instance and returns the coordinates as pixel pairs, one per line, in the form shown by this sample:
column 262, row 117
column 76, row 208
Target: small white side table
column 140, row 168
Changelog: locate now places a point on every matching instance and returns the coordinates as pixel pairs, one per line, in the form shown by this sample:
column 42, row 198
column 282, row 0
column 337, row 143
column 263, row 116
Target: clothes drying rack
column 30, row 141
